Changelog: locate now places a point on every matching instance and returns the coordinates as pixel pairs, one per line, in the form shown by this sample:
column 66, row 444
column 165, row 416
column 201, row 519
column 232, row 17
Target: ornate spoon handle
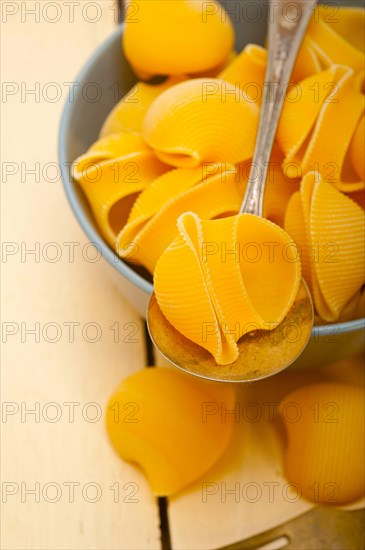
column 288, row 22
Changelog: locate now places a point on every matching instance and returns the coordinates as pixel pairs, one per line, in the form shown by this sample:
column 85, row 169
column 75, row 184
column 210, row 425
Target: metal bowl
column 104, row 79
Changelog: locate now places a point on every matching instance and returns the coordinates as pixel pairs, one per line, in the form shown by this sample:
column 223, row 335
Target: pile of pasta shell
column 185, row 145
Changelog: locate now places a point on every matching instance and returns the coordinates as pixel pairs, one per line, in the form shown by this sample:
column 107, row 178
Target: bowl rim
column 69, row 185
column 95, row 238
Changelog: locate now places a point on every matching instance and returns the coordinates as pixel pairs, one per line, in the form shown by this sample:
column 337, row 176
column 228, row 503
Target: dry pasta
column 200, row 282
column 217, row 195
column 129, row 113
column 329, row 229
column 173, row 159
column 201, row 120
column 307, row 131
column 176, row 37
column 333, row 41
column 112, row 174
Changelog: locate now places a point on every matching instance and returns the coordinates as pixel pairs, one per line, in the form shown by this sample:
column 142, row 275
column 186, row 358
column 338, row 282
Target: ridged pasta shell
column 222, row 291
column 220, row 194
column 201, row 120
column 307, row 62
column 357, row 149
column 329, row 228
column 354, row 309
column 128, row 114
column 167, row 427
column 176, row 37
column 278, row 191
column 330, row 46
column 180, row 285
column 107, row 149
column 156, row 196
column 338, row 225
column 308, row 129
column 151, row 223
column 295, row 225
column 269, row 279
column 325, row 454
column 112, row 173
column 247, row 72
column 348, row 22
column 298, row 117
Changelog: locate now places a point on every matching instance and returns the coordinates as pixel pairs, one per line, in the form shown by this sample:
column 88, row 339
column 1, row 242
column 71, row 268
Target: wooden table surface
column 63, row 333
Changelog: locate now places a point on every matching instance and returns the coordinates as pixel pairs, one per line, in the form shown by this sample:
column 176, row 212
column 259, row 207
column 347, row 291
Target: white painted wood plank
column 36, row 450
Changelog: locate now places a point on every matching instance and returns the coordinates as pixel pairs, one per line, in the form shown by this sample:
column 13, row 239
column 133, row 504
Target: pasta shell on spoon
column 219, row 281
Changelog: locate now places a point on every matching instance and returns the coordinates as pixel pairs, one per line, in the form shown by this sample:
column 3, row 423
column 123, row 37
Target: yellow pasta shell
column 278, row 191
column 212, row 191
column 348, row 22
column 338, row 225
column 224, row 286
column 268, row 280
column 128, row 114
column 201, row 120
column 354, row 309
column 330, row 46
column 298, row 117
column 176, row 37
column 343, row 109
column 247, row 71
column 219, row 194
column 179, row 282
column 158, row 194
column 167, row 426
column 111, row 174
column 308, row 132
column 325, row 453
column 106, row 149
column 329, row 228
column 307, row 62
column 295, row 225
column 357, row 149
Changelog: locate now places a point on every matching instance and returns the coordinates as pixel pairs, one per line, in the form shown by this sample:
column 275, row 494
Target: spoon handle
column 287, row 24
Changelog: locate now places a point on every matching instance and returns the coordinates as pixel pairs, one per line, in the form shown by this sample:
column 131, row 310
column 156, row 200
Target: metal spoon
column 261, row 353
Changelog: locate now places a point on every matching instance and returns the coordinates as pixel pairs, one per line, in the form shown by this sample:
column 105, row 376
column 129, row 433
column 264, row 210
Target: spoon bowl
column 262, row 353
